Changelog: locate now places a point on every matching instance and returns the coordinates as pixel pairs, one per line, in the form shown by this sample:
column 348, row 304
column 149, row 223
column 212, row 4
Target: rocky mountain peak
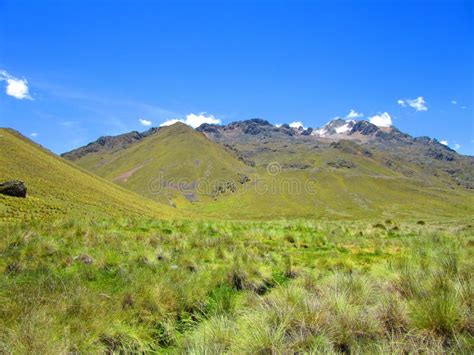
column 334, row 127
column 364, row 127
column 253, row 126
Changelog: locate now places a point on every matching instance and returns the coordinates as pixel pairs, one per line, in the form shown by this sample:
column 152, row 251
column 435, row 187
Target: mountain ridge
column 363, row 171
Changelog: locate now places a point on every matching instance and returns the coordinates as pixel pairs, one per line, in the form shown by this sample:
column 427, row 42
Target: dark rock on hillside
column 440, row 155
column 462, row 177
column 239, row 155
column 439, row 151
column 433, row 142
column 285, row 129
column 351, row 147
column 424, row 140
column 13, row 188
column 435, row 149
column 341, row 163
column 298, row 166
column 243, row 179
column 208, row 128
column 222, row 188
column 394, row 135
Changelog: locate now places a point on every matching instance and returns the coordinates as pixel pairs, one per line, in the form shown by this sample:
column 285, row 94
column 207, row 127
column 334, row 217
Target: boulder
column 13, row 188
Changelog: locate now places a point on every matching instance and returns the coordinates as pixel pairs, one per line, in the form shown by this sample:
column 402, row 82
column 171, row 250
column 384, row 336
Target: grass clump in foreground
column 236, row 287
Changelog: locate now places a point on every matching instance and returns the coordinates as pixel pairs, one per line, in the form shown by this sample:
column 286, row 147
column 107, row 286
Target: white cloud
column 454, row 102
column 170, row 122
column 18, row 88
column 456, row 146
column 197, row 120
column 381, row 120
column 353, row 114
column 418, row 104
column 34, row 134
column 444, row 142
column 194, row 120
column 278, row 125
column 144, row 122
column 402, row 103
column 296, row 124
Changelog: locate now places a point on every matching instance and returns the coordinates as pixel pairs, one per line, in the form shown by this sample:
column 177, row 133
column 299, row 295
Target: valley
column 246, row 238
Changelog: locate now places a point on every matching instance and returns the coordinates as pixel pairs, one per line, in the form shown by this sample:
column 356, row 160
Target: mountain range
column 254, row 169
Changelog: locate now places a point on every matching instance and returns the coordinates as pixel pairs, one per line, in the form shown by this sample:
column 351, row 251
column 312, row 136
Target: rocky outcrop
column 253, row 128
column 341, row 163
column 350, row 147
column 295, row 166
column 365, row 128
column 209, row 128
column 440, row 154
column 14, row 188
column 243, row 179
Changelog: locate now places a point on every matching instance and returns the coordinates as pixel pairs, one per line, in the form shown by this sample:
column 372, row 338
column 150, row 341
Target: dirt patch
column 124, row 177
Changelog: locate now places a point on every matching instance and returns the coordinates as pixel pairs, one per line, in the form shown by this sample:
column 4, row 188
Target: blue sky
column 71, row 71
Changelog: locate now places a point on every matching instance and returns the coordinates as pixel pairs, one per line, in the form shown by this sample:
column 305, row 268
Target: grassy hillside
column 379, row 184
column 166, row 166
column 57, row 188
column 280, row 287
column 347, row 180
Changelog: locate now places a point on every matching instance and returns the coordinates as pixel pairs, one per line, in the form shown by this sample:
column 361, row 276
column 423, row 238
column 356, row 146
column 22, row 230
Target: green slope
column 369, row 189
column 177, row 165
column 375, row 185
column 57, row 188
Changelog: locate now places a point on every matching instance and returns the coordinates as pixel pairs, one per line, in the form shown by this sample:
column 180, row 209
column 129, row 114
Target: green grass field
column 148, row 286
